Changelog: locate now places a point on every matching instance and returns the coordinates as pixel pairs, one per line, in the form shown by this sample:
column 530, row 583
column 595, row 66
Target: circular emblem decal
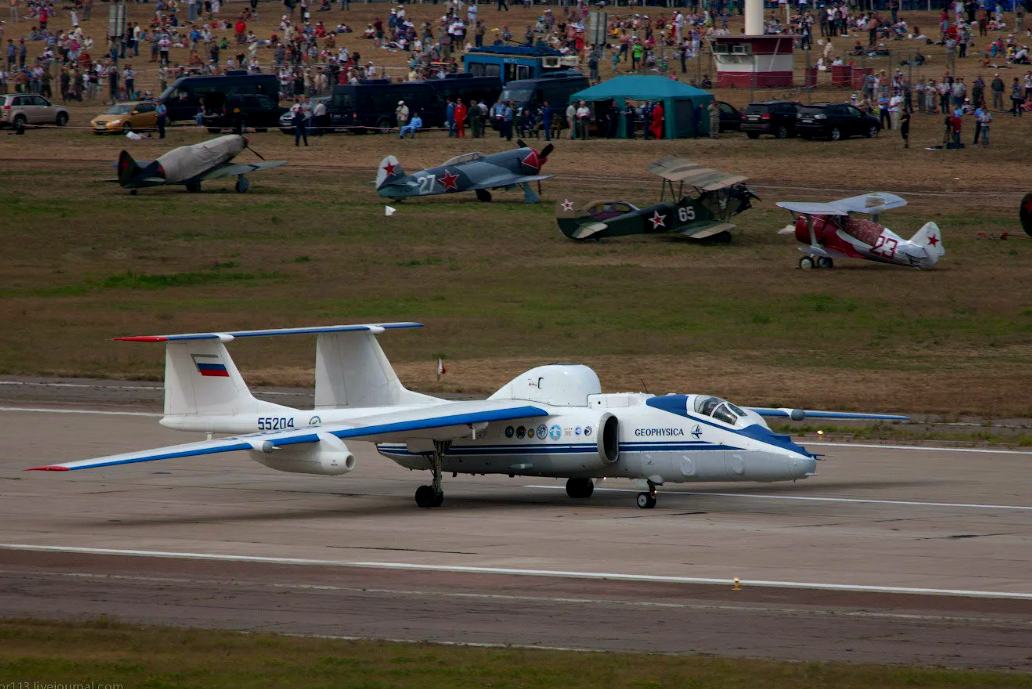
column 542, row 431
column 521, row 432
column 576, row 431
column 587, row 431
column 555, row 432
column 509, row 431
column 314, row 421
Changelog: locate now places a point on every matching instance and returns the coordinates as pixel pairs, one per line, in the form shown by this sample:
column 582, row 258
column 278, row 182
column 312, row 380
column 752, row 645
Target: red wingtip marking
column 50, row 468
column 142, row 338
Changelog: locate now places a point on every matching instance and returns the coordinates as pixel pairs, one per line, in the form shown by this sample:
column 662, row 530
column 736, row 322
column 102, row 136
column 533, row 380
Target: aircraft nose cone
column 805, row 465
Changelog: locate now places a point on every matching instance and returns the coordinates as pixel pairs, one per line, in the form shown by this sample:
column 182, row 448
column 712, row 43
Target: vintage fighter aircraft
column 191, row 165
column 830, row 232
column 550, row 421
column 720, row 197
column 471, row 171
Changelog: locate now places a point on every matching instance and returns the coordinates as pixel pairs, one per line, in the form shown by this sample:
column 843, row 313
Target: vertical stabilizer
column 929, row 238
column 389, row 170
column 351, row 370
column 201, row 379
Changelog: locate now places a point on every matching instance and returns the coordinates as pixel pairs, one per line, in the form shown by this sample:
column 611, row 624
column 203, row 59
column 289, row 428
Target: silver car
column 24, row 108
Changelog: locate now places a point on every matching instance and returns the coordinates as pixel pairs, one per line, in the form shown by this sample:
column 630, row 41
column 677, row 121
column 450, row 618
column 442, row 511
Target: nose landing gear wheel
column 646, row 501
column 824, row 262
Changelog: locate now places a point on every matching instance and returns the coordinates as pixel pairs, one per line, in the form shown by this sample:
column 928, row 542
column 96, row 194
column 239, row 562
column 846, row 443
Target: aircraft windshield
column 120, row 110
column 719, row 409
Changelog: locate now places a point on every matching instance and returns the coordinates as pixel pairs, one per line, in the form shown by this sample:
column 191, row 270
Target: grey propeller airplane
column 191, row 165
column 468, row 172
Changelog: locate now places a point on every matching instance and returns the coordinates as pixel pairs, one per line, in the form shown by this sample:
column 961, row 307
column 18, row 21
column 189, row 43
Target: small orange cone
column 737, row 587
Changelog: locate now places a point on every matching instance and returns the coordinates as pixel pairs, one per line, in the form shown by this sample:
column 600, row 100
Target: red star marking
column 658, row 220
column 1028, row 206
column 449, row 181
column 567, row 205
column 933, row 240
column 389, row 167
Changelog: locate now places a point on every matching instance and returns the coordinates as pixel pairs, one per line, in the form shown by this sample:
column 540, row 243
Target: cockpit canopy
column 719, row 409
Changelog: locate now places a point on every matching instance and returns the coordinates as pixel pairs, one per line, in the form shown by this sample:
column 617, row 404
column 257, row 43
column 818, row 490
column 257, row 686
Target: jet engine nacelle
column 327, row 457
column 603, row 429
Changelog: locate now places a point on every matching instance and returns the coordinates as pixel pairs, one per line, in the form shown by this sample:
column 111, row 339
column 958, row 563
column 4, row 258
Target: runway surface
column 515, row 561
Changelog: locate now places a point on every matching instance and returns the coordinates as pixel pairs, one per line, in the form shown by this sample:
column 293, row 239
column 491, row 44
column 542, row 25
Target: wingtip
column 49, row 468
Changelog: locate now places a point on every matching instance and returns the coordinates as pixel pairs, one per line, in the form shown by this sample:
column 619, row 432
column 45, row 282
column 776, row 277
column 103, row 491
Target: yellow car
column 121, row 118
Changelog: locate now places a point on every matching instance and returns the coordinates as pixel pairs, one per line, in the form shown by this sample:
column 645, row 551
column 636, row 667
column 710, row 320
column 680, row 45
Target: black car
column 835, row 121
column 240, row 112
column 730, row 117
column 775, row 117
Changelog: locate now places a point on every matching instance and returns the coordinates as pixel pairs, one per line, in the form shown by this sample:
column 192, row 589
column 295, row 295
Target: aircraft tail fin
column 127, row 168
column 390, row 170
column 351, row 370
column 201, row 379
column 929, row 238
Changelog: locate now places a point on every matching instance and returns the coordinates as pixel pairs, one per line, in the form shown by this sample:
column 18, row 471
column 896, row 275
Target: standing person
column 895, row 106
column 503, row 5
column 714, row 120
column 460, row 119
column 985, row 119
column 546, row 120
column 583, row 119
column 474, row 117
column 904, row 128
column 507, row 120
column 571, row 120
column 657, row 121
column 14, row 11
column 162, row 112
column 402, row 114
column 449, row 117
column 1017, row 96
column 297, row 118
column 997, row 87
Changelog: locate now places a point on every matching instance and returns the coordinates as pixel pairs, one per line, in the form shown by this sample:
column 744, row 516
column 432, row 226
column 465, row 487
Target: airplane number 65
column 686, row 214
column 426, row 183
column 885, row 246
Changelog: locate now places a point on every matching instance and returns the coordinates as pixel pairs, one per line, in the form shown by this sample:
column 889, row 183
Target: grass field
column 110, row 653
column 501, row 290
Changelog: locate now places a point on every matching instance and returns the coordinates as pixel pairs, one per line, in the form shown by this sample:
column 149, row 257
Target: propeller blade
column 520, row 143
column 547, row 151
column 248, row 147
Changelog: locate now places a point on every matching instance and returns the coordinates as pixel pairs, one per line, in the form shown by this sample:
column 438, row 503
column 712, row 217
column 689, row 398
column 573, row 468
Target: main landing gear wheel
column 580, row 487
column 432, row 495
column 242, row 184
column 824, row 262
column 483, row 195
column 646, row 501
column 193, row 187
column 806, row 263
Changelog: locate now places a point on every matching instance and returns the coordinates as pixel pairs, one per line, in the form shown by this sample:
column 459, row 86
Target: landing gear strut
column 647, row 500
column 580, row 487
column 432, row 495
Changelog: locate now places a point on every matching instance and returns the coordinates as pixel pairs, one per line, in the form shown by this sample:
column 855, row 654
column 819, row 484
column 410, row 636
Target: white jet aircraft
column 551, row 421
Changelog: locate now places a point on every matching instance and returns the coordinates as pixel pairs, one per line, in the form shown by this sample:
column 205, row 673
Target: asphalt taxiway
column 888, row 555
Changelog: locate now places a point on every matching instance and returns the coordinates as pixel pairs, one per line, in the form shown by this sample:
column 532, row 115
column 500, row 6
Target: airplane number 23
column 885, row 246
column 686, row 214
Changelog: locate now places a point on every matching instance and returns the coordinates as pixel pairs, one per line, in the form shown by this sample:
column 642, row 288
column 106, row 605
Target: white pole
column 753, row 17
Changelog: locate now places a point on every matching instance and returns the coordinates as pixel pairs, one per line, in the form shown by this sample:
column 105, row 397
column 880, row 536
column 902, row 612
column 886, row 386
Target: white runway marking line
column 80, row 411
column 758, row 496
column 500, row 596
column 615, row 576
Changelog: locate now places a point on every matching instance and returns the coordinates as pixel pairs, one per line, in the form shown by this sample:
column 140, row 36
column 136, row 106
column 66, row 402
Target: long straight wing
column 434, row 422
column 809, row 208
column 230, row 169
column 505, row 179
column 794, row 414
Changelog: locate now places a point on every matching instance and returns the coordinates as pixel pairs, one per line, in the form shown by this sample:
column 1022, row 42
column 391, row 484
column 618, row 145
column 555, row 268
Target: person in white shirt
column 895, row 105
column 571, row 120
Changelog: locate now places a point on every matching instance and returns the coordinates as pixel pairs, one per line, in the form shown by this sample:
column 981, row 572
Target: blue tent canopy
column 683, row 105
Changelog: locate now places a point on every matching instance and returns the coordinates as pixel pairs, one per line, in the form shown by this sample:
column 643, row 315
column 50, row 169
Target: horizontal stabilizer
column 233, row 334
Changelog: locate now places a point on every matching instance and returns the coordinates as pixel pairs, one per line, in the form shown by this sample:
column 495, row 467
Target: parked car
column 122, row 117
column 730, row 117
column 260, row 112
column 22, row 109
column 775, row 117
column 835, row 121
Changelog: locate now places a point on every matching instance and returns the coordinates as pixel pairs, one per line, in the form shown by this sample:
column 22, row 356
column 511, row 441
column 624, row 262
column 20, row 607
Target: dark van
column 556, row 88
column 371, row 103
column 183, row 98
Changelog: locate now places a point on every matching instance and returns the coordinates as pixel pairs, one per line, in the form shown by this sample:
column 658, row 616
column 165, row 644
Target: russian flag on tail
column 209, row 365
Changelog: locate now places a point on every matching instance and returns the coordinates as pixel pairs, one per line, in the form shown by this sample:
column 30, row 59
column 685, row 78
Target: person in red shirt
column 460, row 119
column 240, row 28
column 657, row 121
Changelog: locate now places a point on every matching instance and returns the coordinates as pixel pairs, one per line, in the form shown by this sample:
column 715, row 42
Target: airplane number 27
column 426, row 183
